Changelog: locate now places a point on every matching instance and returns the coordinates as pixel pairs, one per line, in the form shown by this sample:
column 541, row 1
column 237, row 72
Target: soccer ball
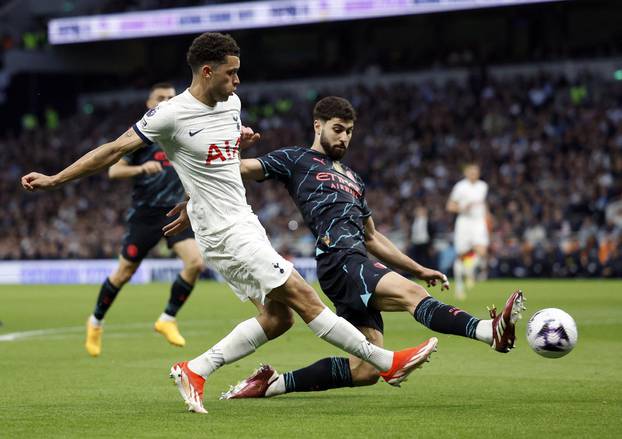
column 552, row 333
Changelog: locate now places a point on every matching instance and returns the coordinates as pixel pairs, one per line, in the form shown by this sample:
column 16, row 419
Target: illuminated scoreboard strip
column 247, row 15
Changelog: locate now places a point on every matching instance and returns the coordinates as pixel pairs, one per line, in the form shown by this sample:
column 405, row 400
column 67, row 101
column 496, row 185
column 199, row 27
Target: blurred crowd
column 550, row 150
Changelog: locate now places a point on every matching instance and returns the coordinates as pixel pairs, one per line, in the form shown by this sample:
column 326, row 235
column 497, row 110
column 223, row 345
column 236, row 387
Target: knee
column 416, row 293
column 303, row 298
column 194, row 266
column 123, row 275
column 409, row 298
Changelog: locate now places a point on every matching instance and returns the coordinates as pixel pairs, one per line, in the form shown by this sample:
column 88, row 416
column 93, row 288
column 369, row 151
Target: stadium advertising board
column 92, row 271
column 247, row 15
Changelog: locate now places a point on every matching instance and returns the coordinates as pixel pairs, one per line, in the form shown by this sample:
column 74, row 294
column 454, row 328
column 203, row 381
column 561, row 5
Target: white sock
column 339, row 332
column 94, row 321
column 242, row 341
column 276, row 387
column 166, row 318
column 483, row 331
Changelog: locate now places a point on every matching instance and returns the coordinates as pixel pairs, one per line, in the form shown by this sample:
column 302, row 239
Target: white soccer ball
column 552, row 332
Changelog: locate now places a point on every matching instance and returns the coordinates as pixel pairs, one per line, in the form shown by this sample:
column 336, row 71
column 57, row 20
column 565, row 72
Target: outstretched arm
column 90, row 163
column 381, row 247
column 251, row 169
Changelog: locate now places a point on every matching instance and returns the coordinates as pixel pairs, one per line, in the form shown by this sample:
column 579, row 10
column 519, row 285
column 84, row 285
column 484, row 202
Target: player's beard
column 332, row 151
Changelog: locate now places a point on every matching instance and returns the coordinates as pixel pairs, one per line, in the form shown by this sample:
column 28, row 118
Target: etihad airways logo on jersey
column 339, row 182
column 223, row 152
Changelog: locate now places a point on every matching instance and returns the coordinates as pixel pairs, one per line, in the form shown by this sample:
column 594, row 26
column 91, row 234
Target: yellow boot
column 93, row 339
column 170, row 331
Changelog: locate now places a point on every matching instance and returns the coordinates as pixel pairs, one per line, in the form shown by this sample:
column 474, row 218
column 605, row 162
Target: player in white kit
column 468, row 201
column 201, row 132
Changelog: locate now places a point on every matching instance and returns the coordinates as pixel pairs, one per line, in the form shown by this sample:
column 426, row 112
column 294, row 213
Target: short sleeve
column 157, row 124
column 278, row 164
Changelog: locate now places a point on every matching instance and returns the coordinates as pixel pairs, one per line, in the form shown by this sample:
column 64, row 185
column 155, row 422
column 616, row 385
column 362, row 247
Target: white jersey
column 202, row 143
column 470, row 194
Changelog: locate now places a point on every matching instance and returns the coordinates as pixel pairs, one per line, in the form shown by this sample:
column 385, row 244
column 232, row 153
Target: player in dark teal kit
column 331, row 198
column 157, row 190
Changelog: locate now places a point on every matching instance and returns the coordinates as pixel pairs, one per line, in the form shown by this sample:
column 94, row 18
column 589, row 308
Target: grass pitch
column 50, row 387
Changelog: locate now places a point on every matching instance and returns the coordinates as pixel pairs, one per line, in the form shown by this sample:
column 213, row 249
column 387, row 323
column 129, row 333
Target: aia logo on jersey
column 224, row 152
column 379, row 265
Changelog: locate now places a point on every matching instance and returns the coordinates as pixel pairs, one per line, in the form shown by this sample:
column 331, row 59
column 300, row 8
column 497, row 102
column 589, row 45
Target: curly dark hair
column 211, row 48
column 334, row 106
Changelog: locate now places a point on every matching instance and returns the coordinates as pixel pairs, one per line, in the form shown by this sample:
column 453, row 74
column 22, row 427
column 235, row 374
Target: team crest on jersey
column 339, row 168
column 326, row 239
column 151, row 112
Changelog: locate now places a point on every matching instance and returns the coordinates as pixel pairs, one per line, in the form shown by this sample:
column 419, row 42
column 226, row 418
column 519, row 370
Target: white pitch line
column 69, row 331
column 15, row 336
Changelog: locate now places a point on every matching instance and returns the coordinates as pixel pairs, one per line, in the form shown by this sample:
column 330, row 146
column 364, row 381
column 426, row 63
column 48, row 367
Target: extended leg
column 182, row 287
column 107, row 294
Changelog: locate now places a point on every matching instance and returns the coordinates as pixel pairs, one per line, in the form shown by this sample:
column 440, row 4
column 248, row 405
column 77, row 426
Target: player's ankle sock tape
column 107, row 294
column 445, row 319
column 327, row 373
column 242, row 341
column 180, row 291
column 341, row 333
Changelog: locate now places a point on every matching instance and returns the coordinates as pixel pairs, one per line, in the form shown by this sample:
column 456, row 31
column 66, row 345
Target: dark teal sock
column 445, row 318
column 327, row 373
column 180, row 291
column 107, row 294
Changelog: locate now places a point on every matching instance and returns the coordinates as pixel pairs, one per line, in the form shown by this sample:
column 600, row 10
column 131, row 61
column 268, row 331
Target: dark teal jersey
column 159, row 191
column 330, row 196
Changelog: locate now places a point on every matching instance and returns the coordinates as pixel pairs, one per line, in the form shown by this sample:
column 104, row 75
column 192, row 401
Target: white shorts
column 468, row 234
column 243, row 255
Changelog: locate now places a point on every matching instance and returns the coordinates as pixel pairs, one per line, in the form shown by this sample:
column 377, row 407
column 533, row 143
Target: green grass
column 49, row 387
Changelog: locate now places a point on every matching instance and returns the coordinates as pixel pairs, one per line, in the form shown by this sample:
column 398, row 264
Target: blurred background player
column 157, row 190
column 468, row 201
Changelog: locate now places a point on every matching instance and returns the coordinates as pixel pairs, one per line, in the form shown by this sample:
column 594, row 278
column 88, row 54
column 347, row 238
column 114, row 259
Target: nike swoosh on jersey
column 196, row 132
